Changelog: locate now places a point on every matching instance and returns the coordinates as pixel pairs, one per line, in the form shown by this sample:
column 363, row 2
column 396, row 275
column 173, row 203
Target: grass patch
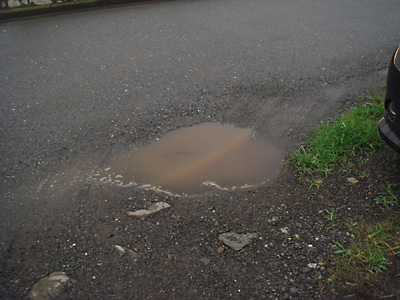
column 363, row 263
column 332, row 143
column 345, row 141
column 389, row 200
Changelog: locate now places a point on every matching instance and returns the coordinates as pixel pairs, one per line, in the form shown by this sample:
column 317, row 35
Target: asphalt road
column 76, row 89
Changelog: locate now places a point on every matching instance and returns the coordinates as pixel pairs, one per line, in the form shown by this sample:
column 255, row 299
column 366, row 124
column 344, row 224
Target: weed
column 315, row 182
column 345, row 136
column 272, row 191
column 363, row 262
column 390, row 296
column 330, row 214
column 347, row 141
column 389, row 200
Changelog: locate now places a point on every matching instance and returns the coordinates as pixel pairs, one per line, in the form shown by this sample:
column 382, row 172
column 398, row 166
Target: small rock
column 157, row 206
column 13, row 3
column 293, row 290
column 205, row 260
column 41, row 2
column 140, row 213
column 123, row 250
column 312, row 265
column 176, row 217
column 352, row 180
column 236, row 241
column 273, row 220
column 220, row 250
column 311, row 248
column 49, row 287
column 285, row 230
column 152, row 209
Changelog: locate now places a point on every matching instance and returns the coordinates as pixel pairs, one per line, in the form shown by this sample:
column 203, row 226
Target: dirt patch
column 177, row 253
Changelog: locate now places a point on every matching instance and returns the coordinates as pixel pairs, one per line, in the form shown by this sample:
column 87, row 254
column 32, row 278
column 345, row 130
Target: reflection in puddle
column 188, row 159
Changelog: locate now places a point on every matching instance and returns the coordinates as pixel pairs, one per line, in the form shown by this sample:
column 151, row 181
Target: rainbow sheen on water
column 185, row 159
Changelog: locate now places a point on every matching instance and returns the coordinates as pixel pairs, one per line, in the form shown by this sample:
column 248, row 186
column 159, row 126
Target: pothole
column 187, row 160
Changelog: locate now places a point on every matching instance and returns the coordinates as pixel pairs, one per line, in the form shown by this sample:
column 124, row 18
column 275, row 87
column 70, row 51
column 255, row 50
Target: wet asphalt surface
column 78, row 89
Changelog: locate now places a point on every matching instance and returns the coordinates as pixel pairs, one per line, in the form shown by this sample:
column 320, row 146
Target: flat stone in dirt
column 123, row 250
column 352, row 180
column 236, row 241
column 205, row 260
column 49, row 287
column 152, row 209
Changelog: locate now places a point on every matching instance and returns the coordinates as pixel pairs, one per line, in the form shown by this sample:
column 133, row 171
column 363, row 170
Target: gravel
column 177, row 253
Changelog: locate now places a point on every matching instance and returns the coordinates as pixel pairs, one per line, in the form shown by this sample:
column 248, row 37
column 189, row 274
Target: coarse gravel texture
column 177, row 254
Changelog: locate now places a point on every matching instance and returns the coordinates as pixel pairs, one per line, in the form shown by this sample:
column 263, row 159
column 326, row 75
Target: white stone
column 41, row 2
column 13, row 3
column 49, row 287
column 140, row 213
column 312, row 265
column 285, row 230
column 352, row 180
column 121, row 250
column 155, row 207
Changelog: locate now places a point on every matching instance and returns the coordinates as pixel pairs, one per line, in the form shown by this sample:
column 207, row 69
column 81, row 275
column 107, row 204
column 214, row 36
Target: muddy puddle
column 189, row 160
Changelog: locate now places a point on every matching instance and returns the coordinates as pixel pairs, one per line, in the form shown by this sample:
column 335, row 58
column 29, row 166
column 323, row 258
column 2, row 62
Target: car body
column 389, row 125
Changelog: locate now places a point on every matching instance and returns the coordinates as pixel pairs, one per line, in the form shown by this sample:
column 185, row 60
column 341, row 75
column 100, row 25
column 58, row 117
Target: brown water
column 189, row 159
